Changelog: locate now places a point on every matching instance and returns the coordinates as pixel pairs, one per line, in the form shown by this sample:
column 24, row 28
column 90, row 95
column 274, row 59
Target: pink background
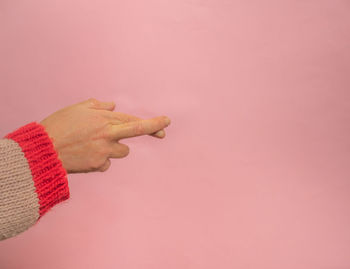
column 255, row 169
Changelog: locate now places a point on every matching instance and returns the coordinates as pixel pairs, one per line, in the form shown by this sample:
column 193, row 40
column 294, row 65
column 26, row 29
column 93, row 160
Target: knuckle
column 139, row 129
column 121, row 151
column 92, row 101
column 105, row 166
column 126, row 151
column 107, row 133
column 102, row 169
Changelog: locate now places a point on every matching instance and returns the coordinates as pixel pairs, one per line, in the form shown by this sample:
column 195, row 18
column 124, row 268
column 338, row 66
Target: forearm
column 32, row 179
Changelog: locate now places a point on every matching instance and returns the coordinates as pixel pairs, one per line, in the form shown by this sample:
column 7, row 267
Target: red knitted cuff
column 49, row 176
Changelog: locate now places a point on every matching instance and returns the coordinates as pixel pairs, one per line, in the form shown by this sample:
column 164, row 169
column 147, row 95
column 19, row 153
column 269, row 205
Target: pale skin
column 86, row 135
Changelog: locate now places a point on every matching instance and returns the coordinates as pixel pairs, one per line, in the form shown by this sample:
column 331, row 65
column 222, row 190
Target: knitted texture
column 19, row 203
column 49, row 176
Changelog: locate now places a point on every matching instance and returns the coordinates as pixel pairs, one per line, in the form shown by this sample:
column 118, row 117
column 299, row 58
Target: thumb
column 96, row 104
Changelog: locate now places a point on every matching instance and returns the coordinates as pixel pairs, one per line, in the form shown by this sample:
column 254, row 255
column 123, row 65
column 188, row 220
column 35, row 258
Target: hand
column 85, row 135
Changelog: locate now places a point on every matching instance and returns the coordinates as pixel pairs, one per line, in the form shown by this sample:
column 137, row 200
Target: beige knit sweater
column 32, row 178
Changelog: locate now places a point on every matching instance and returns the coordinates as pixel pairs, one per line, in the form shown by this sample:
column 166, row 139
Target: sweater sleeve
column 32, row 178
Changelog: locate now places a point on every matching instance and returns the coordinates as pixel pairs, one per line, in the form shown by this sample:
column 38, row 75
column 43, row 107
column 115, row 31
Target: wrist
column 49, row 175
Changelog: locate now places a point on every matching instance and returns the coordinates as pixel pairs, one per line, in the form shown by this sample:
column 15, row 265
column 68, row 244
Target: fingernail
column 167, row 121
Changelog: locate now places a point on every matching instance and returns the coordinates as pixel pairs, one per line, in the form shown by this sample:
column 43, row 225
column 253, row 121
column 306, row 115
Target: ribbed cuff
column 49, row 175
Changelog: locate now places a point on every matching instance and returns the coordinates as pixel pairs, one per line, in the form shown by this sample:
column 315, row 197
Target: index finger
column 139, row 127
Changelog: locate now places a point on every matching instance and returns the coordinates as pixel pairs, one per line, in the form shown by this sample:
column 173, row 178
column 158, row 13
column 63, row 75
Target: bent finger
column 119, row 150
column 105, row 166
column 97, row 104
